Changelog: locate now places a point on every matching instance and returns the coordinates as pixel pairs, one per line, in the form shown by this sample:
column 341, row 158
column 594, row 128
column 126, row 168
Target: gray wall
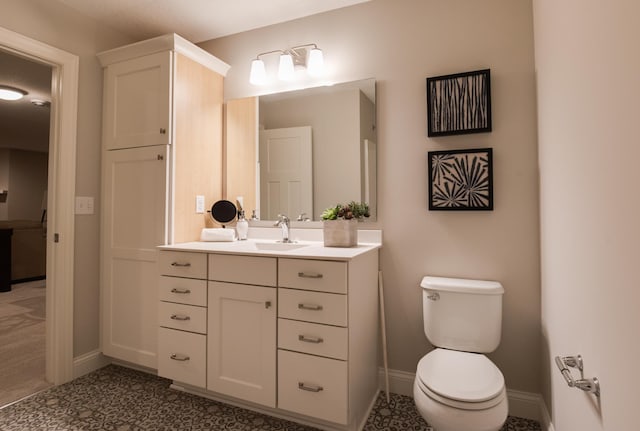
column 400, row 43
column 59, row 26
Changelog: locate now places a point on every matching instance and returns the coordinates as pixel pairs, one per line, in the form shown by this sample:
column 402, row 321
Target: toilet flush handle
column 433, row 296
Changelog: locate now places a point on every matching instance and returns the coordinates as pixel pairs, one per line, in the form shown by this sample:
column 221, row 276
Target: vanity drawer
column 319, row 275
column 183, row 317
column 313, row 338
column 182, row 356
column 313, row 386
column 183, row 290
column 327, row 308
column 255, row 270
column 183, row 264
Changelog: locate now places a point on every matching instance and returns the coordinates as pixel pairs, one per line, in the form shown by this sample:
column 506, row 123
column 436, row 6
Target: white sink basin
column 278, row 246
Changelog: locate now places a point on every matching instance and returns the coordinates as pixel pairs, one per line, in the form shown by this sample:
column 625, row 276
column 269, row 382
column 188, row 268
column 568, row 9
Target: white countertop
column 310, row 249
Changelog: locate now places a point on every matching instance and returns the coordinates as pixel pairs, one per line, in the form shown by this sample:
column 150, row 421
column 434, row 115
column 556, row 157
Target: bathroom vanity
column 288, row 330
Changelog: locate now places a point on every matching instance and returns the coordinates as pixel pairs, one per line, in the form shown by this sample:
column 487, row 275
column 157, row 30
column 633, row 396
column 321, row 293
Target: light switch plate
column 84, row 205
column 199, row 204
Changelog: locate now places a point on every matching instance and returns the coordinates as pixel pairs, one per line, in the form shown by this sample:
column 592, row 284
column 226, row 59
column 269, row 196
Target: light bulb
column 11, row 93
column 258, row 75
column 285, row 71
column 315, row 63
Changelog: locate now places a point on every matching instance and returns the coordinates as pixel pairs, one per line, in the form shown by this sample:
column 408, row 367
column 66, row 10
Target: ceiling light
column 291, row 59
column 11, row 93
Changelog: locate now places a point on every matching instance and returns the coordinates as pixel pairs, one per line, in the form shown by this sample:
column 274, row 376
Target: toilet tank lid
column 463, row 285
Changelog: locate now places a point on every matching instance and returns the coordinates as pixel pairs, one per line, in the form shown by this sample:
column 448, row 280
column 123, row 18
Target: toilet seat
column 462, row 380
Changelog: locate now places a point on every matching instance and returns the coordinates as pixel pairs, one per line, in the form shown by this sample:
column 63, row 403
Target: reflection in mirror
column 317, row 148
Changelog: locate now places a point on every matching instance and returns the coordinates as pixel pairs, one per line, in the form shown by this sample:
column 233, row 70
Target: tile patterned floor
column 120, row 399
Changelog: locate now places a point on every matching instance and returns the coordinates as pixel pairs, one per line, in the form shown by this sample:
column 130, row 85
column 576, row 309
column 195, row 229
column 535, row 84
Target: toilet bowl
column 460, row 391
column 457, row 388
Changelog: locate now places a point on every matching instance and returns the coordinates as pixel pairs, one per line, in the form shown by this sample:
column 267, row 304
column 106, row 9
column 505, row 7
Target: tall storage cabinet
column 162, row 147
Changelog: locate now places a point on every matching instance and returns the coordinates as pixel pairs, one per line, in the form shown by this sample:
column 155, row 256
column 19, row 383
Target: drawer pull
column 314, row 340
column 267, row 304
column 182, row 265
column 311, row 388
column 181, row 291
column 305, row 275
column 179, row 357
column 312, row 307
column 180, row 317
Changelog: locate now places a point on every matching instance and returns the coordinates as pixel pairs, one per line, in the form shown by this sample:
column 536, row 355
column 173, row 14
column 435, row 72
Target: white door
column 241, row 359
column 138, row 102
column 286, row 172
column 133, row 225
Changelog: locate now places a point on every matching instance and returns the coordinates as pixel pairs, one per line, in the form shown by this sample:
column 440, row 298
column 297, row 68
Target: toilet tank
column 462, row 314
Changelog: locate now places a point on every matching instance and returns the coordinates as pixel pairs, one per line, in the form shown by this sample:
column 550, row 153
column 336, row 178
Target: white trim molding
column 89, row 362
column 521, row 404
column 62, row 186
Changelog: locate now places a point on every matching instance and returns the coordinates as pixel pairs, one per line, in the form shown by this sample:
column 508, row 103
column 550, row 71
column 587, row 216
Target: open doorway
column 24, row 159
column 60, row 198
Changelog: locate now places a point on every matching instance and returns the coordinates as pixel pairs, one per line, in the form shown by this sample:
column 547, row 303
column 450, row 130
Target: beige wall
column 56, row 25
column 27, row 184
column 588, row 89
column 400, row 43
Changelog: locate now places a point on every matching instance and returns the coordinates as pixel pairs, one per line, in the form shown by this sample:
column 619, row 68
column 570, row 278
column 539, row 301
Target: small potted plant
column 340, row 223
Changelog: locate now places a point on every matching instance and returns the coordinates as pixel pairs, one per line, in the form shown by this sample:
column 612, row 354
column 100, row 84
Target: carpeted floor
column 120, row 399
column 22, row 341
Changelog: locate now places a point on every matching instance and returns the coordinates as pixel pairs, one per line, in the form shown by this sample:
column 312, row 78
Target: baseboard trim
column 545, row 418
column 89, row 362
column 521, row 404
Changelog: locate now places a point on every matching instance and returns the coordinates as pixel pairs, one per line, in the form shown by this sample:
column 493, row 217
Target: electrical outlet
column 199, row 204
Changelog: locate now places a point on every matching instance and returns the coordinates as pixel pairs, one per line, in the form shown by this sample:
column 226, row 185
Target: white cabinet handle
column 312, row 307
column 307, row 339
column 310, row 388
column 305, row 275
column 182, row 265
column 181, row 291
column 179, row 357
column 180, row 317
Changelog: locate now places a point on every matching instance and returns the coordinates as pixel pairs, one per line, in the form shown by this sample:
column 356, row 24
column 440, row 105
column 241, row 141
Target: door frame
column 61, row 197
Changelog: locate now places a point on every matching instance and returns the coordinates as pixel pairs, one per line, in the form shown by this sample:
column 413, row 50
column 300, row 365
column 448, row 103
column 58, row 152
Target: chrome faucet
column 283, row 222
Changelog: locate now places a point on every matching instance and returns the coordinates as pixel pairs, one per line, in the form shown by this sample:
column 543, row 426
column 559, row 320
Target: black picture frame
column 459, row 104
column 461, row 180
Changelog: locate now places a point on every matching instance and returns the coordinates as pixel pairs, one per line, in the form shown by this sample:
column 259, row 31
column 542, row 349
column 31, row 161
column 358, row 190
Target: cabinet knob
column 267, row 304
column 160, row 157
column 163, row 131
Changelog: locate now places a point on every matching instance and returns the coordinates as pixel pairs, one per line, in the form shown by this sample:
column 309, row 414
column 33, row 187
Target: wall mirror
column 315, row 148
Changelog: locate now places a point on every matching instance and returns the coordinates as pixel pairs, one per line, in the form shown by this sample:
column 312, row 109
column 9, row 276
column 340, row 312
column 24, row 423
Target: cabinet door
column 134, row 196
column 242, row 342
column 137, row 102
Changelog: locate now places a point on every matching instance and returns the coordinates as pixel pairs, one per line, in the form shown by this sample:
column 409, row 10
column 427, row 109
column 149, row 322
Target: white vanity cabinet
column 162, row 146
column 242, row 327
column 297, row 336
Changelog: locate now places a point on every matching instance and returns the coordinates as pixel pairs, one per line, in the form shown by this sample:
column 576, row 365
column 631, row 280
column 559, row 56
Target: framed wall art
column 459, row 104
column 461, row 180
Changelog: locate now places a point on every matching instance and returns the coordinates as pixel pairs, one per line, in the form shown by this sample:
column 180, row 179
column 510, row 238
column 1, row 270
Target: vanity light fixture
column 297, row 57
column 11, row 93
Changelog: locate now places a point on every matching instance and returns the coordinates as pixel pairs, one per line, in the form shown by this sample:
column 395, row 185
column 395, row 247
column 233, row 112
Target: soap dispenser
column 242, row 226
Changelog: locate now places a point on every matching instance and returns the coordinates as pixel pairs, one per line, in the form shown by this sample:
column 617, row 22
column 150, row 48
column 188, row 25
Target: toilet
column 457, row 388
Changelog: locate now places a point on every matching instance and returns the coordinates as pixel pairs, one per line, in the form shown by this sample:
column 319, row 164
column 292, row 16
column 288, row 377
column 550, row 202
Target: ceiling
column 198, row 20
column 26, row 126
